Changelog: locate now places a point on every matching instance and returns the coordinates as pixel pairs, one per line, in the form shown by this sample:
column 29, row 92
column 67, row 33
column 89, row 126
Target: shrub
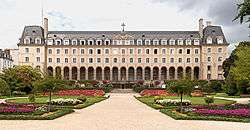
column 209, row 99
column 32, row 98
column 176, row 102
column 4, row 87
column 65, row 102
column 230, row 89
column 157, row 98
column 18, row 93
column 82, row 98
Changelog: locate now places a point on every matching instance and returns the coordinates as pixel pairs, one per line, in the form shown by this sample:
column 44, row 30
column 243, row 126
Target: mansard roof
column 214, row 32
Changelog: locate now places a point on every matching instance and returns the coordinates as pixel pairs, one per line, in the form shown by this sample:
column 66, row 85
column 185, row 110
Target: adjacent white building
column 6, row 61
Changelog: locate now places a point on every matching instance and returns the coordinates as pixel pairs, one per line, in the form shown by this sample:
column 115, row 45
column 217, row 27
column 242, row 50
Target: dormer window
column 82, row 42
column 180, row 42
column 209, row 40
column 38, row 41
column 147, row 42
column 164, row 42
column 155, row 42
column 74, row 42
column 188, row 42
column 139, row 42
column 99, row 42
column 220, row 40
column 172, row 42
column 58, row 42
column 50, row 42
column 196, row 42
column 90, row 42
column 66, row 42
column 27, row 40
column 107, row 42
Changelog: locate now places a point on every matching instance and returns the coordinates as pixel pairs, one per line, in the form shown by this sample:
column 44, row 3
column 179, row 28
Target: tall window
column 219, row 50
column 66, row 60
column 180, row 60
column 98, row 60
column 90, row 60
column 208, row 50
column 196, row 60
column 139, row 60
column 74, row 51
column 209, row 59
column 123, row 51
column 82, row 51
column 50, row 60
column 57, row 51
column 90, row 51
column 147, row 51
column 98, row 51
column 26, row 59
column 163, row 60
column 37, row 59
column 188, row 60
column 106, row 60
column 155, row 60
column 155, row 51
column 188, row 51
column 106, row 51
column 131, row 51
column 123, row 60
column 57, row 60
column 74, row 60
column 139, row 51
column 26, row 50
column 147, row 60
column 131, row 60
column 219, row 59
column 115, row 60
column 180, row 51
column 171, row 60
column 66, row 51
column 50, row 51
column 163, row 51
column 37, row 50
column 196, row 51
column 171, row 51
column 82, row 60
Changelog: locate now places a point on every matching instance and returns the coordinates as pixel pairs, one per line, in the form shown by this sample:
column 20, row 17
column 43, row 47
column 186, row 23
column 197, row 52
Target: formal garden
column 27, row 94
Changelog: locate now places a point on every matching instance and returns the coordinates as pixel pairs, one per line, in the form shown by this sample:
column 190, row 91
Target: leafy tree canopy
column 243, row 11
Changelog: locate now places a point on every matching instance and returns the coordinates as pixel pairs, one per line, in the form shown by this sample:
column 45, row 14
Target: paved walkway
column 119, row 112
column 238, row 100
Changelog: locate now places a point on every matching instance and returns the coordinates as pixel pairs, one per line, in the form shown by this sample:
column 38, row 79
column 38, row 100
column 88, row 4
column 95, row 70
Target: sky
column 95, row 15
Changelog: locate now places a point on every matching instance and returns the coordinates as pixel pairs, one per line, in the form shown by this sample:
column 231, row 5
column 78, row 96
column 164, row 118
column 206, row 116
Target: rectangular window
column 188, row 51
column 98, row 60
column 115, row 60
column 26, row 50
column 74, row 51
column 131, row 51
column 163, row 51
column 106, row 60
column 147, row 51
column 123, row 51
column 66, row 51
column 163, row 60
column 106, row 51
column 82, row 51
column 82, row 60
column 147, row 60
column 50, row 51
column 57, row 51
column 208, row 68
column 50, row 60
column 180, row 60
column 208, row 76
column 196, row 60
column 37, row 59
column 90, row 60
column 220, row 77
column 98, row 51
column 74, row 60
column 66, row 60
column 139, row 60
column 188, row 60
column 123, row 60
column 219, row 68
column 131, row 60
column 219, row 50
column 155, row 51
column 172, row 51
column 90, row 51
column 57, row 60
column 26, row 59
column 171, row 60
column 219, row 59
column 155, row 60
column 208, row 59
column 196, row 51
column 37, row 50
column 139, row 51
column 208, row 50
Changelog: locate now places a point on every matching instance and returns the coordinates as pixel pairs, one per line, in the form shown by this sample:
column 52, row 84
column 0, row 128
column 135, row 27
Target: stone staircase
column 122, row 91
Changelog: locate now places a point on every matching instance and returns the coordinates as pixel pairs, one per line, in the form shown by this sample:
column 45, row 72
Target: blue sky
column 109, row 14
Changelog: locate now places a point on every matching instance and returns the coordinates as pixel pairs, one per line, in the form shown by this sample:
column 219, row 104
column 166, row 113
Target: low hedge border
column 209, row 118
column 54, row 115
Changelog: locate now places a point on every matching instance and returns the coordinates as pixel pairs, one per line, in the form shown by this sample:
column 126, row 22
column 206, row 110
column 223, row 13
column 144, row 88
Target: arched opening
column 115, row 74
column 180, row 73
column 50, row 71
column 131, row 74
column 155, row 73
column 123, row 74
column 164, row 73
column 90, row 73
column 74, row 73
column 66, row 73
column 188, row 72
column 196, row 72
column 98, row 73
column 139, row 73
column 58, row 72
column 107, row 73
column 147, row 73
column 82, row 73
column 171, row 73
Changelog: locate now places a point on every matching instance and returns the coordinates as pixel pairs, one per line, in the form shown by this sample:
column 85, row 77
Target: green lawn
column 195, row 101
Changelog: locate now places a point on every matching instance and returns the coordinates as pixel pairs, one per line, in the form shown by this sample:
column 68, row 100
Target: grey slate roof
column 33, row 32
column 213, row 32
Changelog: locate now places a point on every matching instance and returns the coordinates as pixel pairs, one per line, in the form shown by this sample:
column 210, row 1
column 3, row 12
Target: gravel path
column 120, row 112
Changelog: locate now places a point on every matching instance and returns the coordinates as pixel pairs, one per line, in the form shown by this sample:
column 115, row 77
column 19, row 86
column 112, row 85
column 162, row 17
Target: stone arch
column 82, row 73
column 115, row 74
column 58, row 72
column 131, row 74
column 74, row 73
column 163, row 73
column 123, row 74
column 180, row 73
column 196, row 72
column 98, row 73
column 107, row 73
column 90, row 73
column 50, row 71
column 155, row 73
column 66, row 73
column 171, row 73
column 147, row 73
column 139, row 73
column 188, row 72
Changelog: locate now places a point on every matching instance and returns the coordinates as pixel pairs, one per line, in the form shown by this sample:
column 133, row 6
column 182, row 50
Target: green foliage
column 182, row 87
column 4, row 88
column 18, row 93
column 209, row 99
column 32, row 98
column 82, row 98
column 20, row 78
column 215, row 86
column 157, row 98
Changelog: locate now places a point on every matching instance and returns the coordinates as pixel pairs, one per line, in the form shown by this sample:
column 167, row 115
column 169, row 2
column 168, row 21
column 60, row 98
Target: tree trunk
column 50, row 100
column 181, row 102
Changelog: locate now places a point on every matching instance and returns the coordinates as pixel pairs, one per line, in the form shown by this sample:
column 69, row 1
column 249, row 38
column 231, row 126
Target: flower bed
column 227, row 113
column 176, row 102
column 65, row 102
column 17, row 108
column 156, row 93
column 81, row 92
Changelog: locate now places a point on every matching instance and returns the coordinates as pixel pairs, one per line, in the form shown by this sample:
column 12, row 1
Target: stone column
column 103, row 74
column 151, row 74
column 135, row 75
column 86, row 74
column 111, row 75
column 54, row 72
column 62, row 73
column 176, row 74
column 70, row 73
column 78, row 73
column 143, row 78
column 119, row 74
column 192, row 74
column 159, row 74
column 94, row 74
column 184, row 73
column 168, row 76
column 126, row 78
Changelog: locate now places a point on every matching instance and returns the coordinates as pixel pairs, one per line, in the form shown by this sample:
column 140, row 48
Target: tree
column 4, row 87
column 243, row 11
column 49, row 84
column 20, row 78
column 182, row 87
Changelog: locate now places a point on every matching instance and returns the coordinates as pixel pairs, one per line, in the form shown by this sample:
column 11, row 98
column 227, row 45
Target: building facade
column 5, row 61
column 123, row 56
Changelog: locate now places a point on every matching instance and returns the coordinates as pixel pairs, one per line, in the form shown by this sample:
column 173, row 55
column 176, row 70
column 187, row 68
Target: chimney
column 45, row 27
column 209, row 23
column 201, row 27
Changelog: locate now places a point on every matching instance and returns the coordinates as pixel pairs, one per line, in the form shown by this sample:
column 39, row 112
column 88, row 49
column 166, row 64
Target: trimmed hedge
column 193, row 117
column 54, row 115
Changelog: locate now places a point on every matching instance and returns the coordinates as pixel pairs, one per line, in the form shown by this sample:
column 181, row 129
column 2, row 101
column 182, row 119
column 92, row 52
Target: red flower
column 81, row 92
column 156, row 93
